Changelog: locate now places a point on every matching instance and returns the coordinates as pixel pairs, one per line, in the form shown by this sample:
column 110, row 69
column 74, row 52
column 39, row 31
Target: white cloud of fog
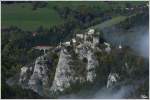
column 136, row 38
column 103, row 93
column 113, row 94
column 142, row 45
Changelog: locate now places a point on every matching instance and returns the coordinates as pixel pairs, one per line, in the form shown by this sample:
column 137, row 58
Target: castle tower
column 85, row 38
column 96, row 39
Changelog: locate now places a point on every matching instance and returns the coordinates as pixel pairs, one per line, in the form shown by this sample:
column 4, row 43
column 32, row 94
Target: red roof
column 43, row 46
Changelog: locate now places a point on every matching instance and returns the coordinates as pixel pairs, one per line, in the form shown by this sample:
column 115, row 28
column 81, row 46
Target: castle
column 89, row 38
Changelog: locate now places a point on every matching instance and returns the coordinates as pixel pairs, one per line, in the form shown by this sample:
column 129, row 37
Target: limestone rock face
column 83, row 52
column 25, row 74
column 87, row 52
column 35, row 76
column 76, row 64
column 65, row 74
column 91, row 66
column 62, row 76
column 112, row 79
column 39, row 79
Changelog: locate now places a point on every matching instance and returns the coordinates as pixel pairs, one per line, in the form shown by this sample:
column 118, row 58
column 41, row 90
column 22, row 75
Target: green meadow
column 23, row 16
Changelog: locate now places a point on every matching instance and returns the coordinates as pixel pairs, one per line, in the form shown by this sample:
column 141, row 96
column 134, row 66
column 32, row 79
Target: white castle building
column 89, row 38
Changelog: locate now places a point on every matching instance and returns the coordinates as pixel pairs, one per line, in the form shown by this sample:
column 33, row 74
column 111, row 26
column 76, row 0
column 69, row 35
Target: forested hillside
column 25, row 25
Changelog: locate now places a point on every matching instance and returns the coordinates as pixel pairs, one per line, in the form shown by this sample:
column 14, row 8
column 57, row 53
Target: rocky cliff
column 80, row 63
column 65, row 72
column 35, row 76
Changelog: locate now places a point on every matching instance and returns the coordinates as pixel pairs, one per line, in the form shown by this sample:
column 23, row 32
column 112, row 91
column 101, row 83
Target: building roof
column 42, row 47
column 91, row 31
column 79, row 35
column 67, row 43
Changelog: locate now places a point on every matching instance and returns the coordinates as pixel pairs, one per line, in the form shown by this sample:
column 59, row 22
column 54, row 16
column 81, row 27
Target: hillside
column 86, row 64
column 91, row 50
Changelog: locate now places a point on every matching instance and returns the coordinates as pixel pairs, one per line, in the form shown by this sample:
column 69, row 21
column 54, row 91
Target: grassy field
column 22, row 15
column 110, row 22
